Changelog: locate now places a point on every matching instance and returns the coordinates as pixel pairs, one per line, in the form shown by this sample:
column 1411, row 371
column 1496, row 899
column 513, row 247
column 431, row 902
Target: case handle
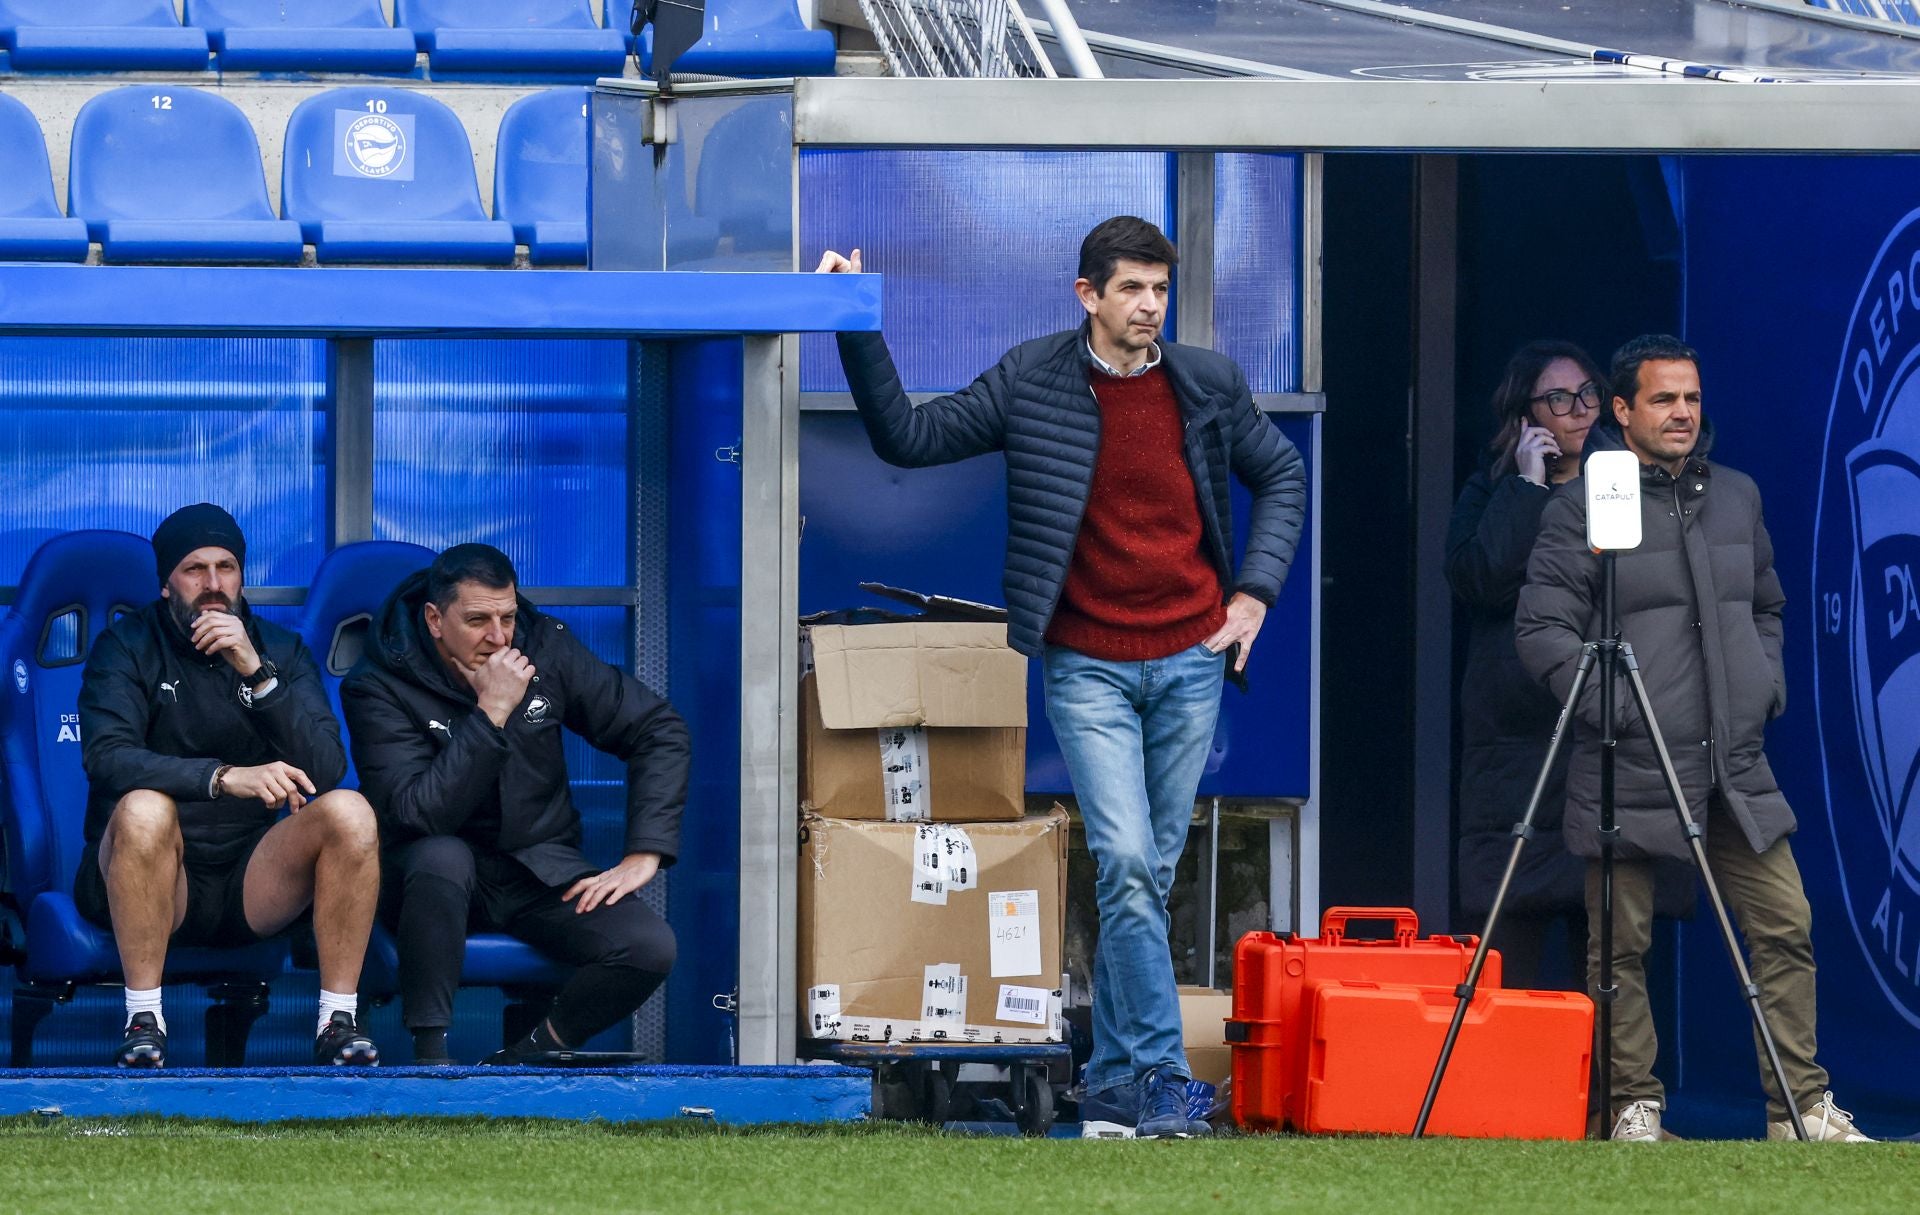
column 1333, row 923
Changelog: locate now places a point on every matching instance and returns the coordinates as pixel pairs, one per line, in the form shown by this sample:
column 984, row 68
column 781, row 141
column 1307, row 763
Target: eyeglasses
column 1559, row 402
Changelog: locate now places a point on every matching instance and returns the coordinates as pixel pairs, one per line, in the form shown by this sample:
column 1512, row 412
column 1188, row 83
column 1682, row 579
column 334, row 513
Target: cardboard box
column 915, row 721
column 932, row 932
column 1203, row 1025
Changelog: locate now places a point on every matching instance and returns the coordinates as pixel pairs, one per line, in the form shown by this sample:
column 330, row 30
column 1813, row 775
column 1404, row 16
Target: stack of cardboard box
column 932, row 906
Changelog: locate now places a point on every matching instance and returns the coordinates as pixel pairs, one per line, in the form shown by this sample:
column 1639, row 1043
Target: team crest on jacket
column 537, row 710
column 1867, row 619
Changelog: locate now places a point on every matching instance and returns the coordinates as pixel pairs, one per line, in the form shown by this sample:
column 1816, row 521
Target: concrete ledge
column 735, row 1096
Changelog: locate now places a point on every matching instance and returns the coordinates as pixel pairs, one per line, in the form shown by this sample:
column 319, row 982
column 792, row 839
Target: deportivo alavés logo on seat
column 1867, row 618
column 376, row 145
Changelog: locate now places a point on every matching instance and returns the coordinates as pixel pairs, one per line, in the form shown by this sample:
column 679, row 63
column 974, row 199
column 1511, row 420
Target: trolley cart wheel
column 936, row 1095
column 1034, row 1091
column 894, row 1096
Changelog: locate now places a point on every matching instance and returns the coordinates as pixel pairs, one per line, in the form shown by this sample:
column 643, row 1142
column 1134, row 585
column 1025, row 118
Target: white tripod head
column 1613, row 501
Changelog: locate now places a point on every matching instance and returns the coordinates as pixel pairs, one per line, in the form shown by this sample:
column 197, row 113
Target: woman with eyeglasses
column 1549, row 396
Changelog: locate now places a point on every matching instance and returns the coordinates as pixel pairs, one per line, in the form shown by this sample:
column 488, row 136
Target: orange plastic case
column 1519, row 1069
column 1271, row 1026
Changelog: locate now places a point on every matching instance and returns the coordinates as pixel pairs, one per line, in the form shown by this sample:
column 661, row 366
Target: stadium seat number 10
column 376, row 106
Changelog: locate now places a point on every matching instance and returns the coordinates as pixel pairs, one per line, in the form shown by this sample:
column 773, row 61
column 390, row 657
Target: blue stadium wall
column 1800, row 286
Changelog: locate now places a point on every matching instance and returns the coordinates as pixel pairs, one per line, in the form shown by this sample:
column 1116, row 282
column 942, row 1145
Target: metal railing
column 956, row 38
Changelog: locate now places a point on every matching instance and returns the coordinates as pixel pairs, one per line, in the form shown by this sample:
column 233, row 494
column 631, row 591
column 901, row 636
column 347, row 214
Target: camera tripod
column 1612, row 656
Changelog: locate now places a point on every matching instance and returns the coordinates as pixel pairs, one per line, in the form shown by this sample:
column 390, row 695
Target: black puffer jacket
column 433, row 764
column 1037, row 406
column 1700, row 604
column 1506, row 717
column 155, row 713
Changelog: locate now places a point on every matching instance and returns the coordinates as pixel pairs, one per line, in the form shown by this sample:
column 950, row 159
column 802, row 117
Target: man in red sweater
column 1120, row 579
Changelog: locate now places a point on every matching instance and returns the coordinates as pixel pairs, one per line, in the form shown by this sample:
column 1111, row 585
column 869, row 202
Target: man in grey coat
column 1700, row 604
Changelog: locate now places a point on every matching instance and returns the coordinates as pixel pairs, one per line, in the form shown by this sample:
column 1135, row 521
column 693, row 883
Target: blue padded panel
column 492, row 960
column 173, row 174
column 351, row 583
column 540, row 175
column 45, row 786
column 483, row 243
column 105, row 35
column 265, row 241
column 312, row 36
column 556, row 242
column 42, row 240
column 743, row 38
column 64, row 948
column 374, row 174
column 512, row 36
column 31, row 225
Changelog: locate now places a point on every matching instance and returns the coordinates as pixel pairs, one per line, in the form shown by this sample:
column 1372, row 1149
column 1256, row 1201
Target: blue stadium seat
column 168, row 174
column 558, row 36
column 100, row 35
column 347, row 589
column 386, row 175
column 743, row 38
column 74, row 587
column 540, row 175
column 311, row 36
column 31, row 226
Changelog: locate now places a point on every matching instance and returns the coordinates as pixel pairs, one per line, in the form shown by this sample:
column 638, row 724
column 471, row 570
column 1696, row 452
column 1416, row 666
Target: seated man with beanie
column 458, row 711
column 200, row 723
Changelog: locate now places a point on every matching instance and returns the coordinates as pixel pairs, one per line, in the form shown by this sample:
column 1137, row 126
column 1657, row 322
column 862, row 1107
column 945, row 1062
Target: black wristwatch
column 264, row 672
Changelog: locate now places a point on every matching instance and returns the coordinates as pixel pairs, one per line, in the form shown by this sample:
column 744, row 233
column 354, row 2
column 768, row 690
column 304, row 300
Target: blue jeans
column 1135, row 736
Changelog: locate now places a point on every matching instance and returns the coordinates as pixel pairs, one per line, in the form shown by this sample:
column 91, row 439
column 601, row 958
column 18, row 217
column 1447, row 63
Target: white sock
column 147, row 1001
column 332, row 1002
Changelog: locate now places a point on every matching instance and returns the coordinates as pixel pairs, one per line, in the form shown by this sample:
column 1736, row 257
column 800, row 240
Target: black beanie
column 201, row 525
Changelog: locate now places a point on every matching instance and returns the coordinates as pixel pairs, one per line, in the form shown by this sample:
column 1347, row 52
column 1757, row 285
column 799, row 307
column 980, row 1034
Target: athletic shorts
column 216, row 899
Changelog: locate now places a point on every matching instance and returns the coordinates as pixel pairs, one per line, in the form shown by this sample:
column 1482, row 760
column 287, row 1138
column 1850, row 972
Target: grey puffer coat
column 1037, row 406
column 1700, row 604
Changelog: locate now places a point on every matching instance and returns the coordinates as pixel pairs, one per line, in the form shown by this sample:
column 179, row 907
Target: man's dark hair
column 481, row 563
column 1124, row 237
column 1650, row 348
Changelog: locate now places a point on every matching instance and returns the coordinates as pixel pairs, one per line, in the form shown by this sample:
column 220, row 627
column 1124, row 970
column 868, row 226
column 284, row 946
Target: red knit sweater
column 1139, row 586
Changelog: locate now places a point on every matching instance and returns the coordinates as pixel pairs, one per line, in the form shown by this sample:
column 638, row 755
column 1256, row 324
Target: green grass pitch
column 154, row 1166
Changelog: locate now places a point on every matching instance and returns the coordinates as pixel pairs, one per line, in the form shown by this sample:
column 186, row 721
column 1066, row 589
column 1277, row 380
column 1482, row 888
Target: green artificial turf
column 417, row 1166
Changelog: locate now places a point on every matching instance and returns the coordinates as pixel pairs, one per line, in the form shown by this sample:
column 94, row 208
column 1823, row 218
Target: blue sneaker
column 1163, row 1107
column 1110, row 1113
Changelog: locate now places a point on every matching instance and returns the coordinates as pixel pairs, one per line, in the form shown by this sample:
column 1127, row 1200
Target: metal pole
column 350, row 435
column 1604, row 991
column 1066, row 31
column 1522, row 832
column 1691, row 830
column 769, row 678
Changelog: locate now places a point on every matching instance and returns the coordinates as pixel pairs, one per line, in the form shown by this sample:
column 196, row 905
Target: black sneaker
column 342, row 1044
column 145, row 1045
column 520, row 1054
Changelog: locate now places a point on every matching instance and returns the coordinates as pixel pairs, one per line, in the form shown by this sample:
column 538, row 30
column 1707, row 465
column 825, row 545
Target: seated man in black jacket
column 456, row 712
column 200, row 723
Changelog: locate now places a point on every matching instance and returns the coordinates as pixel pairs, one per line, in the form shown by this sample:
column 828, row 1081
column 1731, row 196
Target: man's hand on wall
column 833, row 263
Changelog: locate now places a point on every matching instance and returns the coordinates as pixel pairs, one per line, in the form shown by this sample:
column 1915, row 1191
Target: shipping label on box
column 882, row 960
column 914, row 722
